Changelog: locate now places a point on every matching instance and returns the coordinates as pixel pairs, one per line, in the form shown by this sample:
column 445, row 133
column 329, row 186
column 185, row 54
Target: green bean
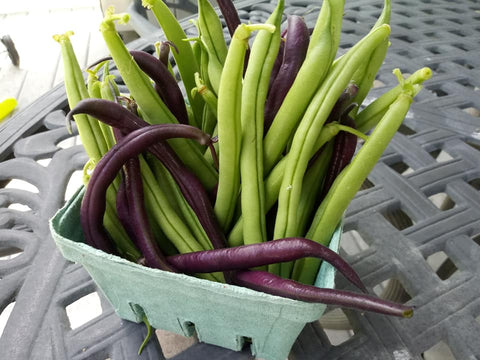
column 312, row 186
column 184, row 58
column 209, row 122
column 208, row 96
column 272, row 187
column 211, row 33
column 163, row 213
column 209, row 118
column 138, row 83
column 174, row 194
column 328, row 132
column 370, row 116
column 320, row 54
column 365, row 77
column 150, row 104
column 274, row 180
column 108, row 90
column 229, row 124
column 352, row 177
column 91, row 138
column 254, row 93
column 76, row 91
column 311, row 126
column 197, row 53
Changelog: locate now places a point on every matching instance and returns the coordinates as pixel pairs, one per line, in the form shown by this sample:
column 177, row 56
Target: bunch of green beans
column 260, row 183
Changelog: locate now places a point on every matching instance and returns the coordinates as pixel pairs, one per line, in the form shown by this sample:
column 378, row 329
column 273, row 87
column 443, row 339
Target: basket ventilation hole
column 84, row 310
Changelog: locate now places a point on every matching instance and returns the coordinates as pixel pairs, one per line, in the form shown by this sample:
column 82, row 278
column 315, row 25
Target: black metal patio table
column 397, row 215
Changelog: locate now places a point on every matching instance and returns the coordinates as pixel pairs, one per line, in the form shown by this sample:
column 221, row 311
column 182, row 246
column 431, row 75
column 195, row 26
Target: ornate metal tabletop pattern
column 436, row 152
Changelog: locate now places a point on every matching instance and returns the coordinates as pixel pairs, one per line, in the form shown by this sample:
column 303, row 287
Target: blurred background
column 30, row 25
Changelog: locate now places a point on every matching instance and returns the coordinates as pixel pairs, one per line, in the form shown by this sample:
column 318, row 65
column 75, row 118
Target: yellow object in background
column 6, row 107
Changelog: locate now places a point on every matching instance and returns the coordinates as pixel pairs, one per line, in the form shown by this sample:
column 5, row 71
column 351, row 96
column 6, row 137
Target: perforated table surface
column 397, row 215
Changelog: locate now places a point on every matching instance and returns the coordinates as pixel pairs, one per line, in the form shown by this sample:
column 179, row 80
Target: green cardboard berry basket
column 220, row 314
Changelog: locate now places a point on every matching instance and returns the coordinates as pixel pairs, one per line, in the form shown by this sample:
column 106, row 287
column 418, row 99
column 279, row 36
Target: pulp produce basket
column 220, row 314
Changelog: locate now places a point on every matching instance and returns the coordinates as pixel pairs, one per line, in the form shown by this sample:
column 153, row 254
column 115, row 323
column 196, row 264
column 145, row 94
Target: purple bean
column 116, row 115
column 344, row 147
column 94, row 201
column 139, row 220
column 296, row 45
column 164, row 51
column 230, row 15
column 277, row 64
column 275, row 285
column 165, row 83
column 254, row 255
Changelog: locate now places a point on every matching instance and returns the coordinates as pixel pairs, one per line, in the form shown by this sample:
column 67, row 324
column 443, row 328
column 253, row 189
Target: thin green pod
column 272, row 186
column 328, row 132
column 311, row 189
column 372, row 66
column 364, row 79
column 150, row 104
column 273, row 181
column 370, row 116
column 254, row 93
column 108, row 91
column 352, row 177
column 320, row 54
column 209, row 121
column 312, row 186
column 311, row 126
column 159, row 207
column 229, row 125
column 90, row 136
column 211, row 33
column 183, row 208
column 208, row 96
column 76, row 91
column 185, row 59
column 138, row 83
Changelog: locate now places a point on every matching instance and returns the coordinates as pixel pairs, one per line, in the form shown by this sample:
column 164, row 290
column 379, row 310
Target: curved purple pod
column 94, row 200
column 275, row 285
column 117, row 116
column 296, row 45
column 266, row 253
